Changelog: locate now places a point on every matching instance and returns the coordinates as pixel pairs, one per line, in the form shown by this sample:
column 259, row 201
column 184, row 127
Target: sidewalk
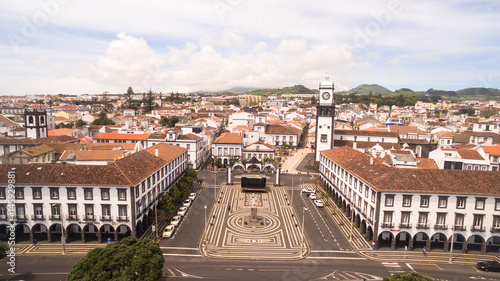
column 294, row 164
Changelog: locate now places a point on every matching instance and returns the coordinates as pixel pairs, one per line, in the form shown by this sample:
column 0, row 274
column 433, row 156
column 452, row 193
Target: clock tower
column 325, row 114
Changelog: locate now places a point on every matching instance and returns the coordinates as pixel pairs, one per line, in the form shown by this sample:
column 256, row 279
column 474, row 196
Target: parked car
column 488, row 266
column 192, row 196
column 307, row 190
column 175, row 220
column 169, row 230
column 186, row 203
column 319, row 203
column 182, row 211
column 312, row 196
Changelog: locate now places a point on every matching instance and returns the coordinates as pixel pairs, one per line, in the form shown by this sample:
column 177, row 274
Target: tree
column 149, row 102
column 129, row 95
column 102, row 120
column 3, row 249
column 80, row 123
column 409, row 276
column 129, row 259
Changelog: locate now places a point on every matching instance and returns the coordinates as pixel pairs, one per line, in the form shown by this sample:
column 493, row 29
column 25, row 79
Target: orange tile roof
column 229, row 138
column 426, row 163
column 107, row 146
column 121, row 136
column 166, row 151
column 93, row 155
column 492, row 150
column 60, row 132
column 445, row 134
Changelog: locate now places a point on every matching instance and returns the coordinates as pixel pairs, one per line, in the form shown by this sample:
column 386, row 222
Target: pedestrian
column 425, row 252
column 229, row 208
column 34, row 241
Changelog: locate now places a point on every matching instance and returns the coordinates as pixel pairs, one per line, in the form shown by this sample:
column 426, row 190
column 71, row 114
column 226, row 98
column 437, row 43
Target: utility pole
column 63, row 237
column 452, row 238
column 302, row 240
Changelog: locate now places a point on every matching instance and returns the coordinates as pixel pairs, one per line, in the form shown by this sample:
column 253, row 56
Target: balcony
column 477, row 228
column 106, row 218
column 3, row 217
column 21, row 218
column 460, row 227
column 123, row 218
column 423, row 226
column 89, row 218
column 387, row 224
column 37, row 217
column 495, row 229
column 55, row 217
column 72, row 217
column 441, row 226
column 405, row 225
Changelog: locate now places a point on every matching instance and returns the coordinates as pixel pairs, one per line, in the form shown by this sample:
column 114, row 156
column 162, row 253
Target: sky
column 88, row 47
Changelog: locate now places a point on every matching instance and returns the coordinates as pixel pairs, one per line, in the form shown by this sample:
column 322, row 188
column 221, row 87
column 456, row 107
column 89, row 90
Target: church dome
column 327, row 83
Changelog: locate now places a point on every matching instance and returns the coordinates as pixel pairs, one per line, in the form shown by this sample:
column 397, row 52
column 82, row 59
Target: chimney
column 355, row 145
column 156, row 151
column 371, row 160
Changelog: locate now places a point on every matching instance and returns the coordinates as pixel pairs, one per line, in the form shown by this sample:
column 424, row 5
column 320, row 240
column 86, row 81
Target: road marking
column 410, row 267
column 171, row 272
column 181, row 255
column 425, row 264
column 335, row 258
column 475, row 268
column 179, row 248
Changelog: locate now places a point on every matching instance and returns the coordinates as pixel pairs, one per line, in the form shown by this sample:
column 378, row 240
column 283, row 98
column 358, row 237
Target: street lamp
column 205, row 231
column 63, row 237
column 452, row 237
column 302, row 240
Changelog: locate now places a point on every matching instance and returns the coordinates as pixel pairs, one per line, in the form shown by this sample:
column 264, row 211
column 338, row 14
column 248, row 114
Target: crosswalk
column 57, row 249
column 393, row 267
column 342, row 275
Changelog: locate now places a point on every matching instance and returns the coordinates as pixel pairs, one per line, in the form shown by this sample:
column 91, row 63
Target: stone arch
column 39, row 232
column 403, row 238
column 362, row 227
column 369, row 233
column 122, row 231
column 357, row 220
column 73, row 232
column 438, row 241
column 458, row 242
column 4, row 232
column 475, row 243
column 421, row 239
column 493, row 244
column 268, row 166
column 238, row 168
column 138, row 228
column 22, row 232
column 90, row 232
column 385, row 239
column 107, row 231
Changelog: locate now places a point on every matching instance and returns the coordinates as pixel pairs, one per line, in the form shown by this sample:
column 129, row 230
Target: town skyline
column 51, row 47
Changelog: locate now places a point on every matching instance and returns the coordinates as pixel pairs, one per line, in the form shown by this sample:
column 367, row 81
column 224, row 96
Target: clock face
column 325, row 95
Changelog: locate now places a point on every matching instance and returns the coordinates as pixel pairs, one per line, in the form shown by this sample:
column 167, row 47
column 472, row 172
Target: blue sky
column 78, row 47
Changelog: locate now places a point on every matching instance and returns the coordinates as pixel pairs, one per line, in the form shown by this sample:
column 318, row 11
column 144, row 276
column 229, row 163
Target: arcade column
column 229, row 175
column 277, row 177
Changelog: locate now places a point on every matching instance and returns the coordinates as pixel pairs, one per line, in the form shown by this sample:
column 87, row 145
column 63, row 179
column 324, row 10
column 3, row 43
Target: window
column 71, row 193
column 19, row 193
column 143, row 187
column 443, row 202
column 2, row 192
column 21, row 215
column 387, row 218
column 56, row 211
column 3, row 212
column 461, row 202
column 406, row 200
column 497, row 204
column 441, row 219
column 88, row 193
column 105, row 194
column 405, row 218
column 122, row 212
column 323, row 138
column 373, row 196
column 37, row 193
column 54, row 193
column 137, row 191
column 422, row 219
column 480, row 203
column 122, row 194
column 72, row 212
column 496, row 222
column 367, row 191
column 424, row 201
column 106, row 212
column 38, row 210
column 389, row 200
column 478, row 222
column 459, row 220
column 89, row 212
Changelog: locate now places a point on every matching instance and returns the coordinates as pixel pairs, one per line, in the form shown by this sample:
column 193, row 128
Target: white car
column 182, row 211
column 192, row 196
column 319, row 203
column 307, row 190
column 169, row 230
column 175, row 220
column 186, row 203
column 312, row 196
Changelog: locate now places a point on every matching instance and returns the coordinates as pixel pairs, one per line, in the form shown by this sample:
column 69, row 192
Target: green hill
column 365, row 89
column 479, row 92
column 294, row 90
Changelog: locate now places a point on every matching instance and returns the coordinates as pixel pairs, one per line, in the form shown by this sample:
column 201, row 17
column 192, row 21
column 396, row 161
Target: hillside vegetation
column 365, row 89
column 294, row 90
